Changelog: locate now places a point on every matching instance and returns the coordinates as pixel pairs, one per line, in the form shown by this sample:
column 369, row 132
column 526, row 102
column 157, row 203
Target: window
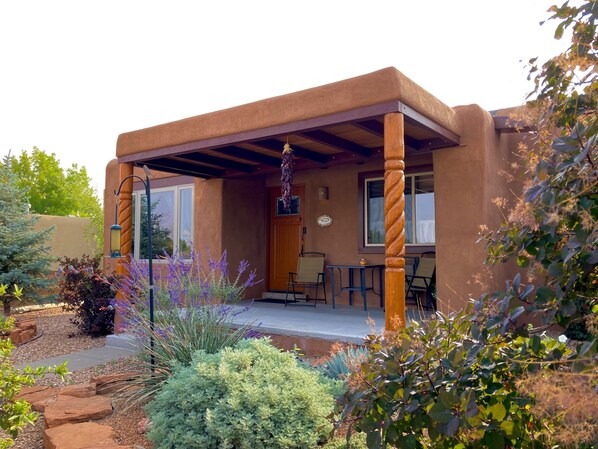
column 419, row 210
column 171, row 222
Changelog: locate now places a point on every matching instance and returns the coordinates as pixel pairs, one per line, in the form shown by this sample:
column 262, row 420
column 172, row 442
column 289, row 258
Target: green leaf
column 522, row 261
column 440, row 413
column 498, row 411
column 493, row 440
column 555, row 269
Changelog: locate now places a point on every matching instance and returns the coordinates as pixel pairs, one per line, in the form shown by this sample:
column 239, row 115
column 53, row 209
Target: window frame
column 176, row 189
column 380, row 248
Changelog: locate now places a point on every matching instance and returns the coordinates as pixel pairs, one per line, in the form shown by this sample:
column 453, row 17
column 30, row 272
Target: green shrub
column 251, row 396
column 448, row 383
column 357, row 441
column 16, row 414
column 340, row 363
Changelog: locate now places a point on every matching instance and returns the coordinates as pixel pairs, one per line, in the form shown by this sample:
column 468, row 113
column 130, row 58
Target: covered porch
column 376, row 125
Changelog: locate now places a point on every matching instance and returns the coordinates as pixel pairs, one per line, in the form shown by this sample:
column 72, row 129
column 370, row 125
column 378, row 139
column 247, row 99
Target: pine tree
column 24, row 256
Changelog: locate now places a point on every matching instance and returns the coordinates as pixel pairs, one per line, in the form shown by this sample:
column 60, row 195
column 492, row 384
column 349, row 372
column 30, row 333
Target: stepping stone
column 39, row 397
column 69, row 409
column 79, row 390
column 112, row 383
column 80, row 436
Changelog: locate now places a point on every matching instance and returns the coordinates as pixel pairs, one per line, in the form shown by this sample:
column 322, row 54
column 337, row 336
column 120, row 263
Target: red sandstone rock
column 112, row 383
column 27, row 335
column 27, row 324
column 107, row 445
column 15, row 336
column 69, row 409
column 38, row 397
column 80, row 436
column 79, row 390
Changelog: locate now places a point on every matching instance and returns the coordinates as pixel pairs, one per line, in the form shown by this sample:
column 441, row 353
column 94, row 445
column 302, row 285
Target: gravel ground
column 54, row 329
column 56, row 336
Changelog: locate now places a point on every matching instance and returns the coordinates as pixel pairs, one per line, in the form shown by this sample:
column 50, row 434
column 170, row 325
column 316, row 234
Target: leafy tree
column 552, row 229
column 24, row 257
column 16, row 414
column 54, row 191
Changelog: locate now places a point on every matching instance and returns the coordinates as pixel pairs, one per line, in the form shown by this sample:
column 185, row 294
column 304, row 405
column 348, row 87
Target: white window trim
column 411, row 177
column 176, row 215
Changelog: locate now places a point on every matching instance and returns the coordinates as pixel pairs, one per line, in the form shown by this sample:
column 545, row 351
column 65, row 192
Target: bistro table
column 362, row 286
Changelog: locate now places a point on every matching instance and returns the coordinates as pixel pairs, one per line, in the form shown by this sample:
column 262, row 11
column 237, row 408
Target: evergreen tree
column 24, row 257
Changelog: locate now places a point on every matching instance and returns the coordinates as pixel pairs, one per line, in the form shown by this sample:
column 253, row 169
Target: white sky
column 76, row 74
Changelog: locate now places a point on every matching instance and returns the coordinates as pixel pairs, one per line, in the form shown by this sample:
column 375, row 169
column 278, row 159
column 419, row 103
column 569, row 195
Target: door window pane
column 185, row 222
column 294, row 208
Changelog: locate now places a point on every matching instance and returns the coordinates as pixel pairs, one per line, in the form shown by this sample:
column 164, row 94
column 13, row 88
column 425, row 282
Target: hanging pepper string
column 286, row 177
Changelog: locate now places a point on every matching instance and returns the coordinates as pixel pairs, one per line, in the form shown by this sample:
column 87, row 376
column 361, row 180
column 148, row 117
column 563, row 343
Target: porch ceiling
column 353, row 135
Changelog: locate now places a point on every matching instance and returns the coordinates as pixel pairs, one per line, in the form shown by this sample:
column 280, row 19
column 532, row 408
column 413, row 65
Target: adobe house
column 397, row 171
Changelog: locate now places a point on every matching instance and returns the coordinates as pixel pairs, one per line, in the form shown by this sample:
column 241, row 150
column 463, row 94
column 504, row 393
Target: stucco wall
column 70, row 237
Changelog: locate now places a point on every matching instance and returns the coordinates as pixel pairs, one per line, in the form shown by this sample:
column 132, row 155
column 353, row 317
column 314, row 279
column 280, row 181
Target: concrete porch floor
column 312, row 329
column 344, row 323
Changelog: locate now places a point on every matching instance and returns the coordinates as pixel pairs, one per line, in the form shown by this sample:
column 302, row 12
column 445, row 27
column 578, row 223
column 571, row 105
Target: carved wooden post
column 394, row 219
column 125, row 220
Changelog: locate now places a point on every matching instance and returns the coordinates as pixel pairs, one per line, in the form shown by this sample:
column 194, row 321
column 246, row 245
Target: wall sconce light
column 323, row 193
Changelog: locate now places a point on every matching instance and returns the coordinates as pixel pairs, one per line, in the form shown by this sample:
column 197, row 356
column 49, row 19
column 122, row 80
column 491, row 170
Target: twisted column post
column 125, row 220
column 394, row 220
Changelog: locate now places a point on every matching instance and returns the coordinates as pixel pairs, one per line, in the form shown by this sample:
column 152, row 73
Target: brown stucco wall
column 467, row 180
column 70, row 237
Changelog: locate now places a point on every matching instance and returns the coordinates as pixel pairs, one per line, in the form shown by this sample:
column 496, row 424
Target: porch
column 370, row 126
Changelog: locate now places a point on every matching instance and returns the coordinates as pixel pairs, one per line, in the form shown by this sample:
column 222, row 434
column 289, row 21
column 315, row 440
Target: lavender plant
column 194, row 309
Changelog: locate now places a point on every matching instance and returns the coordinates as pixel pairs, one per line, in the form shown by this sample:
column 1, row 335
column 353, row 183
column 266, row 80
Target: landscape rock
column 107, row 445
column 69, row 409
column 27, row 325
column 79, row 436
column 27, row 335
column 39, row 397
column 79, row 390
column 15, row 336
column 112, row 383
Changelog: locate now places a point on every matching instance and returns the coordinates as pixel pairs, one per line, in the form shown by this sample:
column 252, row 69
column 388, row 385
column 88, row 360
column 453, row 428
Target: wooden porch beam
column 249, row 155
column 278, row 145
column 339, row 143
column 187, row 166
column 217, row 161
column 394, row 220
column 170, row 169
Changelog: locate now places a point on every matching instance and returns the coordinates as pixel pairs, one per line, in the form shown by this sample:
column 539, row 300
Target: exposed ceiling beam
column 187, row 166
column 377, row 129
column 173, row 170
column 217, row 161
column 278, row 145
column 249, row 155
column 339, row 143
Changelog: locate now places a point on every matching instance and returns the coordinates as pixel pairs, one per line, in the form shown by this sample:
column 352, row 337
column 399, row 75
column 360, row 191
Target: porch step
column 281, row 295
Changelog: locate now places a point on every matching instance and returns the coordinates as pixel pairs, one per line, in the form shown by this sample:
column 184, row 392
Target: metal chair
column 423, row 281
column 310, row 274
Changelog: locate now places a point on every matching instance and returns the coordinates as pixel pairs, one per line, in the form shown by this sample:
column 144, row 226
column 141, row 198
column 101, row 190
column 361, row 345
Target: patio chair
column 423, row 281
column 310, row 274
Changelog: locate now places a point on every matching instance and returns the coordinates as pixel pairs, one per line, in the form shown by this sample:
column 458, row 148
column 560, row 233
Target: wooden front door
column 286, row 230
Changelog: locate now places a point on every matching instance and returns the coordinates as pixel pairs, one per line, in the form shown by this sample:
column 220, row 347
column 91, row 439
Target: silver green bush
column 253, row 396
